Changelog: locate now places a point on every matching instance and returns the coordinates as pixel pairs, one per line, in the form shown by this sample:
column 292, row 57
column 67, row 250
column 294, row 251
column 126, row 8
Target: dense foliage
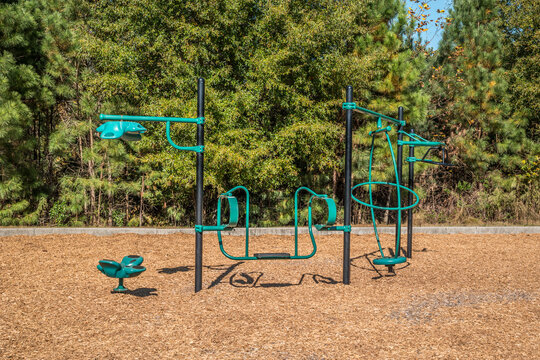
column 484, row 104
column 275, row 76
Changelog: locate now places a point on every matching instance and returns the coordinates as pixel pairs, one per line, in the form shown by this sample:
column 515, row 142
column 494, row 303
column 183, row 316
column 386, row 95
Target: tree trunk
column 100, row 192
column 109, row 192
column 387, row 212
column 92, row 176
column 127, row 207
column 79, row 140
column 334, row 183
column 141, row 210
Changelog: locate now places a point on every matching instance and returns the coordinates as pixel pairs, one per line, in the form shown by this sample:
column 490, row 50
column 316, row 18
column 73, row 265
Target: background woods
column 275, row 74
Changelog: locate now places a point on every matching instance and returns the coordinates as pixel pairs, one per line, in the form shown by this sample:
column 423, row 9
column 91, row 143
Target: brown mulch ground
column 461, row 296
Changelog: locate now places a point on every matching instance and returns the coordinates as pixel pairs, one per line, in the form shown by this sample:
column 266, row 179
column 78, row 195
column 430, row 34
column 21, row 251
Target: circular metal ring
column 384, row 207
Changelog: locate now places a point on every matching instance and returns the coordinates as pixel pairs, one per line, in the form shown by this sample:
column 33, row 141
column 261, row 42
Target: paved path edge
column 33, row 231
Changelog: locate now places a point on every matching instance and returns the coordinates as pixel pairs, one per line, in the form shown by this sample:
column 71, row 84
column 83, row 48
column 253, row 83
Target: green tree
column 396, row 69
column 521, row 26
column 472, row 107
column 275, row 76
column 34, row 93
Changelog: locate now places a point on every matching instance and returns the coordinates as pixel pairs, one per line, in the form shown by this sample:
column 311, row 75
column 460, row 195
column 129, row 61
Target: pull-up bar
column 128, row 130
column 353, row 106
column 198, row 120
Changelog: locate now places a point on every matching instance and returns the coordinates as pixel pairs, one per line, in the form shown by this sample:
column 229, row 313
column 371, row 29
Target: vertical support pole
column 347, row 197
column 410, row 211
column 200, row 183
column 398, row 180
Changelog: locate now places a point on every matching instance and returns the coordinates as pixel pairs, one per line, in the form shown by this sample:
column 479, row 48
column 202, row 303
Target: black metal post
column 410, row 211
column 398, row 180
column 347, row 197
column 200, row 183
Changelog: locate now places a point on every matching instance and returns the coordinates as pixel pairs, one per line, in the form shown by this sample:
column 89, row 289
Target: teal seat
column 125, row 130
column 332, row 214
column 233, row 215
column 233, row 211
column 109, row 267
column 129, row 267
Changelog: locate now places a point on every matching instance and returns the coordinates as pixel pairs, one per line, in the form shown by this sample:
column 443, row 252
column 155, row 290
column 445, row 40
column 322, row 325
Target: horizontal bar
column 370, row 112
column 345, row 228
column 388, row 118
column 200, row 228
column 151, row 118
column 420, row 143
column 196, row 148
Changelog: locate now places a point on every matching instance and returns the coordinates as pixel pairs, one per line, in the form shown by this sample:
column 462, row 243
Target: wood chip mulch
column 459, row 297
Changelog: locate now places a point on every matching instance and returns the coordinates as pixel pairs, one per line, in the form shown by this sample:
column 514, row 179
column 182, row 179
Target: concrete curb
column 31, row 231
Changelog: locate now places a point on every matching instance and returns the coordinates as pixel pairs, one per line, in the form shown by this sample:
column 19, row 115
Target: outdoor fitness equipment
column 123, row 127
column 234, row 215
column 129, row 267
column 414, row 141
column 117, row 128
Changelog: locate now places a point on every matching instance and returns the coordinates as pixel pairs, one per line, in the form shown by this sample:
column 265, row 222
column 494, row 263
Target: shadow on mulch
column 141, row 292
column 251, row 279
column 227, row 269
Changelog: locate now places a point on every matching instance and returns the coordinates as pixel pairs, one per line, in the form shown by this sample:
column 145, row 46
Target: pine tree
column 521, row 26
column 34, row 88
column 396, row 70
column 472, row 107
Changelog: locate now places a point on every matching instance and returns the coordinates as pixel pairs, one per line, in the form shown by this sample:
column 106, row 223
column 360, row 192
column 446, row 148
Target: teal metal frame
column 414, row 140
column 123, row 125
column 234, row 215
column 353, row 106
column 385, row 260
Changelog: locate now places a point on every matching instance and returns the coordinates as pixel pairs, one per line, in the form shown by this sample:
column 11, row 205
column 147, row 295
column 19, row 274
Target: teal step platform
column 130, row 267
column 270, row 256
column 388, row 261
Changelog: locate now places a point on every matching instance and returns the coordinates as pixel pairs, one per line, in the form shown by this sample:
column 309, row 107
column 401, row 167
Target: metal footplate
column 389, row 261
column 270, row 256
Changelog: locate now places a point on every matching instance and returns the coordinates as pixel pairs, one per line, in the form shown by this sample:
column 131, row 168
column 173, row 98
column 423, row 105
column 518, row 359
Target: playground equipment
column 414, row 141
column 233, row 222
column 130, row 267
column 118, row 129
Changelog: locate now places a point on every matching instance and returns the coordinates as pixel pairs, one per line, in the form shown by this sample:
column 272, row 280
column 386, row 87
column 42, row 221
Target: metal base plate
column 272, row 256
column 390, row 260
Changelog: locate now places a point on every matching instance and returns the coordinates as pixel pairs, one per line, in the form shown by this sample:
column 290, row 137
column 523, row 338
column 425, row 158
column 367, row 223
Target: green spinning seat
column 129, row 267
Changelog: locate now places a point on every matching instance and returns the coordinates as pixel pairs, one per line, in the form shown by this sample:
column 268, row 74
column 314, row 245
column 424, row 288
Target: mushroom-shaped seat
column 129, row 267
